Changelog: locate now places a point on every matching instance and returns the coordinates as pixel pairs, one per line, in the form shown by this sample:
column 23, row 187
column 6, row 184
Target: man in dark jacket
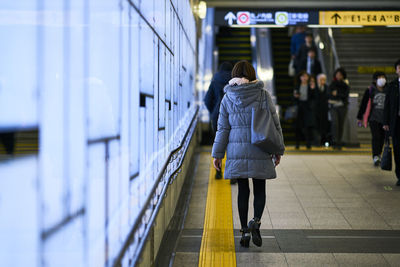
column 310, row 63
column 303, row 50
column 215, row 94
column 391, row 117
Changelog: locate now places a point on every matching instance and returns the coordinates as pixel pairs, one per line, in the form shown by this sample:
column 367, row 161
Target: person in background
column 8, row 140
column 322, row 109
column 303, row 50
column 310, row 63
column 297, row 40
column 338, row 101
column 304, row 95
column 215, row 94
column 391, row 117
column 243, row 159
column 376, row 93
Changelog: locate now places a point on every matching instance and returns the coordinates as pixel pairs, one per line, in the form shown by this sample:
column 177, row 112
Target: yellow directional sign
column 366, row 18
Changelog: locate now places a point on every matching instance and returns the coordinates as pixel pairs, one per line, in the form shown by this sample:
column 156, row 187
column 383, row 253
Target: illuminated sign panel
column 292, row 18
column 365, row 18
column 281, row 18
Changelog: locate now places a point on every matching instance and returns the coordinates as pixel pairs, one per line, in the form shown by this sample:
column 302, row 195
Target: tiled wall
column 108, row 84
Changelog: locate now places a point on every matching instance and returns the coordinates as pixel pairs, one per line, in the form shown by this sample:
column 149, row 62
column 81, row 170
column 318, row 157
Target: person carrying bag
column 242, row 122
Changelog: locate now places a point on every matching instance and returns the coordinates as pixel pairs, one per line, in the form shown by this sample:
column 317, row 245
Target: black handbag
column 386, row 162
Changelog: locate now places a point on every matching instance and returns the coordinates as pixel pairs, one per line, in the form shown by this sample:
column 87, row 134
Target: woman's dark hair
column 225, row 66
column 396, row 64
column 377, row 74
column 301, row 73
column 243, row 69
column 342, row 71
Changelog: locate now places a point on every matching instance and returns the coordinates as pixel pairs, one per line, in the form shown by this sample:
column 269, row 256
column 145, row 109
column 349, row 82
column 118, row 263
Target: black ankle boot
column 245, row 240
column 218, row 175
column 254, row 227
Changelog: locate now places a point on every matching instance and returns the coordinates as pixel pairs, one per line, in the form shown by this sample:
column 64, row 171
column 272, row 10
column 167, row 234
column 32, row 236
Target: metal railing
column 327, row 51
column 152, row 205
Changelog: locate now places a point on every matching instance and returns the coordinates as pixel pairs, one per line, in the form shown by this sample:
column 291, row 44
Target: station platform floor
column 323, row 209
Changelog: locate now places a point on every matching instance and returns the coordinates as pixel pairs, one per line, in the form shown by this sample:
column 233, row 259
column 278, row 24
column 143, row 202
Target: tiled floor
column 311, row 192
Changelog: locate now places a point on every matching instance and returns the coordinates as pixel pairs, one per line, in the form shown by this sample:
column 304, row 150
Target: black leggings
column 378, row 137
column 243, row 199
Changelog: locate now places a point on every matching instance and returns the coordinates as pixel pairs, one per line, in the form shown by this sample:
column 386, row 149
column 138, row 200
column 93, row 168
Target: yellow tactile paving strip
column 217, row 244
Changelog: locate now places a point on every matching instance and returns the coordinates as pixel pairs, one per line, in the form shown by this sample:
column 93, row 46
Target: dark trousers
column 304, row 122
column 307, row 132
column 243, row 199
column 396, row 147
column 338, row 116
column 378, row 137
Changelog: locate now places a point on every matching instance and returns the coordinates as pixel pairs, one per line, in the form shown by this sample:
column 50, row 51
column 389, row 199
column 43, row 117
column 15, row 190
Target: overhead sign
column 365, row 18
column 267, row 17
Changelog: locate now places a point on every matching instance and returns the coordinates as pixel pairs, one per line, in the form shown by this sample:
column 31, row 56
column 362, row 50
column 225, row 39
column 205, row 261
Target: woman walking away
column 304, row 96
column 338, row 100
column 375, row 93
column 243, row 159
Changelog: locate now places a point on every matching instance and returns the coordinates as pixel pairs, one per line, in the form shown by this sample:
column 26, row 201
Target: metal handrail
column 333, row 47
column 137, row 222
column 328, row 56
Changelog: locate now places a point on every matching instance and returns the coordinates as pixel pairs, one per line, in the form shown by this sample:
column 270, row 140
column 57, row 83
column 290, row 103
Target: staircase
column 23, row 142
column 283, row 83
column 360, row 51
column 233, row 44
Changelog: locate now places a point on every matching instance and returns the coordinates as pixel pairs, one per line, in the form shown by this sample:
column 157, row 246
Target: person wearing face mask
column 391, row 117
column 375, row 92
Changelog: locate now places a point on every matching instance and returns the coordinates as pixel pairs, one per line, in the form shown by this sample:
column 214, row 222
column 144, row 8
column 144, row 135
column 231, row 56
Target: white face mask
column 381, row 82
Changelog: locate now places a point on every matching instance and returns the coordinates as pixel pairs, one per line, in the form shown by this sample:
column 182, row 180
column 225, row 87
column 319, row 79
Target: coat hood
column 244, row 94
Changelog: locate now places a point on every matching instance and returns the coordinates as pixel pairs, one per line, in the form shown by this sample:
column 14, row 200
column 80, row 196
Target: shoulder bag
column 386, row 162
column 264, row 133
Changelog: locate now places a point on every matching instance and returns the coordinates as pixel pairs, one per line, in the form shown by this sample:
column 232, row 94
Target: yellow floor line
column 217, row 244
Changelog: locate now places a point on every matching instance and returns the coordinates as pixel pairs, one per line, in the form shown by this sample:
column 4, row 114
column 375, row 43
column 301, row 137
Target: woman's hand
column 334, row 92
column 386, row 128
column 217, row 164
column 277, row 159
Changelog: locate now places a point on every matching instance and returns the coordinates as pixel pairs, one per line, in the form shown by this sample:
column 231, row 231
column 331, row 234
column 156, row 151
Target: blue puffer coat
column 243, row 160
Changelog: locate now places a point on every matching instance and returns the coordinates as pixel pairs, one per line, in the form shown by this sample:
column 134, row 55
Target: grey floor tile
column 357, row 259
column 186, row 259
column 260, row 259
column 310, row 259
column 350, row 202
column 392, row 259
column 330, row 218
column 318, row 202
column 290, row 220
column 364, row 218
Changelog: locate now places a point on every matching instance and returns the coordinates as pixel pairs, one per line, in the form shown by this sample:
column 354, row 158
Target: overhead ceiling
column 300, row 4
